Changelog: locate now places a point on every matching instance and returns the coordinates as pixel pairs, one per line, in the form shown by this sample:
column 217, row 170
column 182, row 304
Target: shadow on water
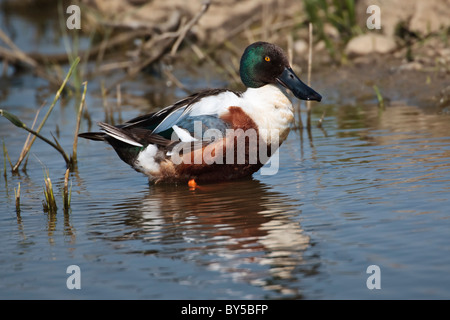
column 241, row 230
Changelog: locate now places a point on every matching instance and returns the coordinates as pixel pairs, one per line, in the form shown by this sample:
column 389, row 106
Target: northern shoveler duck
column 167, row 145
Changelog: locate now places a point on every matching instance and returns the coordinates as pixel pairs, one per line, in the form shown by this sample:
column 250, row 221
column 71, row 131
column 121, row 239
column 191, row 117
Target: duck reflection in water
column 241, row 229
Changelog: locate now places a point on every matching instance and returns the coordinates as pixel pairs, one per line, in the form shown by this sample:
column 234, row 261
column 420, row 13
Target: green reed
column 67, row 192
column 340, row 14
column 49, row 203
column 18, row 123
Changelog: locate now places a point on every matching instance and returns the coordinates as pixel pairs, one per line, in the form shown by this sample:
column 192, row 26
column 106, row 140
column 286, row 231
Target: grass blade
column 17, row 122
column 67, row 193
column 379, row 97
column 77, row 129
column 6, row 156
column 17, row 197
column 49, row 203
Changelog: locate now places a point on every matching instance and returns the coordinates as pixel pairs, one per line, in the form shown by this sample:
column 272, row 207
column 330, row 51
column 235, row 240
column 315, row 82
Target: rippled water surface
column 370, row 188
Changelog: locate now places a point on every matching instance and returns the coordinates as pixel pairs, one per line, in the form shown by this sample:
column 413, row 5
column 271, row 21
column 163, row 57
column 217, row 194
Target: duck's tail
column 128, row 142
column 97, row 136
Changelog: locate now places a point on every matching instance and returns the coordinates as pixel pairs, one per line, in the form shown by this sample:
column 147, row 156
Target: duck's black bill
column 290, row 80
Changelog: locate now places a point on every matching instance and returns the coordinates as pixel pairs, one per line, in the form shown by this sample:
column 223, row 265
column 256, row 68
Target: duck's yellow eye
column 267, row 58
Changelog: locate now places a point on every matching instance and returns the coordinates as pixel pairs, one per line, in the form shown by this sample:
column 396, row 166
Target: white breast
column 271, row 110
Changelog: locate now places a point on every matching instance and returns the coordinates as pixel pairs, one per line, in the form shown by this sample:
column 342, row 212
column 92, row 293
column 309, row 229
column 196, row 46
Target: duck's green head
column 264, row 63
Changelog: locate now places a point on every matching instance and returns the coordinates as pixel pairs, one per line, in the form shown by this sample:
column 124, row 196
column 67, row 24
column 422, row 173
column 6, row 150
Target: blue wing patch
column 198, row 125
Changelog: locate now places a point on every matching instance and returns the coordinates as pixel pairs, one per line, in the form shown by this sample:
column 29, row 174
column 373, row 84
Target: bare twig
column 67, row 193
column 18, row 57
column 159, row 44
column 265, row 21
column 5, row 157
column 119, row 102
column 188, row 26
column 319, row 124
column 91, row 52
column 290, row 50
column 17, row 122
column 175, row 80
column 25, row 148
column 77, row 129
column 159, row 47
column 308, row 103
column 17, row 196
column 109, row 116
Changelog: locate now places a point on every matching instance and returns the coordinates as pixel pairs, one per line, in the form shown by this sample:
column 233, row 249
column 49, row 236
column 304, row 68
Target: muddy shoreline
column 355, row 81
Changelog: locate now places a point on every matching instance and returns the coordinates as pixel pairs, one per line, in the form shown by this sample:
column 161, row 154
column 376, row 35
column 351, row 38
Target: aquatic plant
column 17, row 197
column 339, row 14
column 379, row 97
column 18, row 123
column 308, row 103
column 5, row 157
column 49, row 204
column 73, row 158
column 67, row 193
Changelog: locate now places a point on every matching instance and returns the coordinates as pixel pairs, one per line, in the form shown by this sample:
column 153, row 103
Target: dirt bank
column 408, row 57
column 411, row 56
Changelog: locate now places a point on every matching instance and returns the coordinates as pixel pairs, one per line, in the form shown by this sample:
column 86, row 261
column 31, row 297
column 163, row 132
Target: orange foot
column 192, row 184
